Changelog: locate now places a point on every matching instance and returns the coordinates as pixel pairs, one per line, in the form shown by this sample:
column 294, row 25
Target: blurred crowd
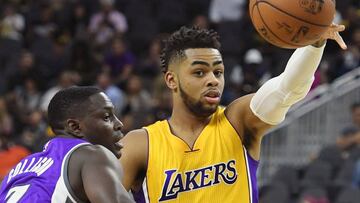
column 47, row 45
column 332, row 176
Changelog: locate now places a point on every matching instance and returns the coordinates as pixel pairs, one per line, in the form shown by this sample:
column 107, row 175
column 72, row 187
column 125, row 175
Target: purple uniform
column 42, row 177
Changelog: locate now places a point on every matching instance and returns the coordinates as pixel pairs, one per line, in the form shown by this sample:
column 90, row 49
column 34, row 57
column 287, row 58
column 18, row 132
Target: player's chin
column 211, row 105
column 210, row 108
column 117, row 149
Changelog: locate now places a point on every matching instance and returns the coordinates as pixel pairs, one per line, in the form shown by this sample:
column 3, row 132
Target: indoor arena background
column 47, row 45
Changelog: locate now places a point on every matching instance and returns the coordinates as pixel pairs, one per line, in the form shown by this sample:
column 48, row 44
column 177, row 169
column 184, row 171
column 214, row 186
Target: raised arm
column 252, row 115
column 101, row 177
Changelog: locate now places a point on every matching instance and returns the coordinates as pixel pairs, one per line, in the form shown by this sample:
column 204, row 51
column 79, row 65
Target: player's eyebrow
column 205, row 63
column 200, row 63
column 217, row 63
column 109, row 108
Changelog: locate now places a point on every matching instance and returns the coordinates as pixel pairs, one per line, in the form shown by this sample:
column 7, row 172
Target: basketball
column 291, row 23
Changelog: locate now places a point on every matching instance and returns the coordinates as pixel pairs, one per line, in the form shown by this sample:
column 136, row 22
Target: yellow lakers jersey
column 216, row 169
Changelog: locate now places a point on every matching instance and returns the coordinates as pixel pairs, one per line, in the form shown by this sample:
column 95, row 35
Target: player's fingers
column 337, row 27
column 340, row 41
column 340, row 28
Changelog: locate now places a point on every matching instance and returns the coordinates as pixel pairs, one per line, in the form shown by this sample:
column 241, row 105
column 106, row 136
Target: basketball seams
column 277, row 37
column 311, row 23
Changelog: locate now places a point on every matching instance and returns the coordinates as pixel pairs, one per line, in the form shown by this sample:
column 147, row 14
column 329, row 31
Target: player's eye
column 218, row 73
column 198, row 73
column 107, row 117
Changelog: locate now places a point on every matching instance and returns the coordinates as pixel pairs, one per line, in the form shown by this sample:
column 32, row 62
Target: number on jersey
column 15, row 193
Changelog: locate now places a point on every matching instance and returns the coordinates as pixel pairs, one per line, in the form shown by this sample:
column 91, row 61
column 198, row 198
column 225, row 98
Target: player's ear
column 170, row 79
column 73, row 127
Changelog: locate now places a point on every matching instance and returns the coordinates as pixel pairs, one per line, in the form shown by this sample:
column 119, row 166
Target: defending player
column 205, row 153
column 78, row 165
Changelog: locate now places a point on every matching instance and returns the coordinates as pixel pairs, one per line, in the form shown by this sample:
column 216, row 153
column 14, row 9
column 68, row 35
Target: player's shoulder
column 135, row 147
column 140, row 135
column 94, row 153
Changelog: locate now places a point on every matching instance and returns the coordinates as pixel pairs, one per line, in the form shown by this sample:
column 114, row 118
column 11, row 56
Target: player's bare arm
column 247, row 124
column 95, row 175
column 252, row 115
column 134, row 159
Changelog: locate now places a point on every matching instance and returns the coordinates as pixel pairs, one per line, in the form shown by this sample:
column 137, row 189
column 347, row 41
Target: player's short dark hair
column 187, row 38
column 69, row 102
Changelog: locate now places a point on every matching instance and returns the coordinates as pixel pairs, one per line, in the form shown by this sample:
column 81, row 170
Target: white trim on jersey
column 249, row 175
column 145, row 191
column 62, row 193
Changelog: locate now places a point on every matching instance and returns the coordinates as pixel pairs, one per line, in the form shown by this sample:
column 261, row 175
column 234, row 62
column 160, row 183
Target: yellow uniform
column 216, row 169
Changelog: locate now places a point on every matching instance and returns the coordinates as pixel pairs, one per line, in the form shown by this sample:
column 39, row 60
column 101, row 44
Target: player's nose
column 118, row 125
column 213, row 81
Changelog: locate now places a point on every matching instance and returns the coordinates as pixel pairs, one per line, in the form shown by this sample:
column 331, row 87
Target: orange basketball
column 291, row 23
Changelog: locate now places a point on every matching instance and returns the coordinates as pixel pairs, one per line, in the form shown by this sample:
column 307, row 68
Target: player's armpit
column 134, row 159
column 249, row 127
column 101, row 177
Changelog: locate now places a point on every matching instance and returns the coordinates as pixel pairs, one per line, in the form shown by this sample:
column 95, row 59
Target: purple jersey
column 42, row 177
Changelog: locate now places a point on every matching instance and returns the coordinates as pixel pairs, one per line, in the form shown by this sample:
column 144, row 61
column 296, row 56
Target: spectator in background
column 149, row 66
column 42, row 26
column 12, row 24
column 232, row 10
column 252, row 71
column 10, row 154
column 347, row 61
column 34, row 134
column 355, row 115
column 66, row 79
column 83, row 62
column 138, row 100
column 6, row 123
column 107, row 23
column 28, row 96
column 115, row 94
column 119, row 62
column 350, row 135
column 56, row 59
column 162, row 103
column 79, row 20
column 348, row 140
column 25, row 68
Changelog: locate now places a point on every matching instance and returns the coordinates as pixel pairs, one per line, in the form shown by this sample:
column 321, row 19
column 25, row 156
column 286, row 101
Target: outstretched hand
column 333, row 33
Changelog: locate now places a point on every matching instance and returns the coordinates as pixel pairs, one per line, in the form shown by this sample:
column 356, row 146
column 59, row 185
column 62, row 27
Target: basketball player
column 203, row 152
column 78, row 165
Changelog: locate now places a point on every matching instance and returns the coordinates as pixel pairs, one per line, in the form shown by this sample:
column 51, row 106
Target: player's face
column 101, row 126
column 201, row 80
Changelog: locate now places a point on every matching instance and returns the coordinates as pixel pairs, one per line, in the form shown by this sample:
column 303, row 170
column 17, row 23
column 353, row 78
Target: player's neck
column 64, row 134
column 186, row 119
column 186, row 125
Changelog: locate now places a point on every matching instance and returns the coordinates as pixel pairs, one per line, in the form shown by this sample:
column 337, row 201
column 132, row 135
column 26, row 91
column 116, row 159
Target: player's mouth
column 212, row 96
column 118, row 145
